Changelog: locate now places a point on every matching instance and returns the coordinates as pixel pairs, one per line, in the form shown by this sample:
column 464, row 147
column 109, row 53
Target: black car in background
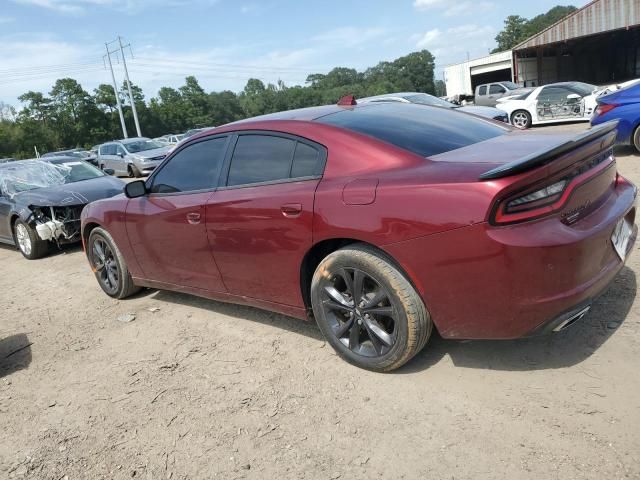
column 41, row 201
column 78, row 153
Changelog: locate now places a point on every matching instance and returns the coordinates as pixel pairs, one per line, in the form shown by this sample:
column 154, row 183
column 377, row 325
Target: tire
column 28, row 242
column 387, row 327
column 521, row 119
column 109, row 266
column 636, row 138
column 133, row 171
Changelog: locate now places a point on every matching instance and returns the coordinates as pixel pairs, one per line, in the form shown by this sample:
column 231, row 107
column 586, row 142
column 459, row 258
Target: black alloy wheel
column 108, row 265
column 360, row 312
column 367, row 309
column 105, row 265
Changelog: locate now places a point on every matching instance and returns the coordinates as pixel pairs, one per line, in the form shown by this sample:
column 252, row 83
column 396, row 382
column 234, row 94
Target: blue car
column 624, row 106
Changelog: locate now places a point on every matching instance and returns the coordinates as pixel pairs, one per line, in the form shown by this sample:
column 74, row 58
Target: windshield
column 79, row 171
column 26, row 175
column 583, row 89
column 29, row 175
column 142, row 145
column 426, row 99
column 510, row 85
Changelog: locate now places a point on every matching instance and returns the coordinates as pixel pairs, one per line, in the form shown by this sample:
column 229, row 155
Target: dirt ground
column 196, row 389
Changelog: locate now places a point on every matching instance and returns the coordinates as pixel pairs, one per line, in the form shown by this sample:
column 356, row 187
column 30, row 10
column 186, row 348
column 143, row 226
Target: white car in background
column 556, row 102
column 591, row 101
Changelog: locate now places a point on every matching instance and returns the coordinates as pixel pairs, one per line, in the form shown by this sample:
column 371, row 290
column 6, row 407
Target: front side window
column 554, row 95
column 496, row 89
column 193, row 168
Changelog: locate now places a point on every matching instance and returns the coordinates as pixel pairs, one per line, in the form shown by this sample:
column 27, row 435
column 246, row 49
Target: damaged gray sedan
column 41, row 201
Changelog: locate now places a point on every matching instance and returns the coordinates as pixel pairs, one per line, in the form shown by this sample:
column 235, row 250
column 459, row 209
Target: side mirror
column 135, row 189
column 573, row 96
column 109, row 171
column 121, row 155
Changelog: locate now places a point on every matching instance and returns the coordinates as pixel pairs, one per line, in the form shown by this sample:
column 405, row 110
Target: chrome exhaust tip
column 572, row 319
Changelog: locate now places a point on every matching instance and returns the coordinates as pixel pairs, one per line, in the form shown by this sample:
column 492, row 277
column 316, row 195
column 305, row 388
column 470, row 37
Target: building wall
column 458, row 77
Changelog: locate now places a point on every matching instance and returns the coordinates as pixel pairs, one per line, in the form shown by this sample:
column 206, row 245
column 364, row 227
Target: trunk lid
column 524, row 168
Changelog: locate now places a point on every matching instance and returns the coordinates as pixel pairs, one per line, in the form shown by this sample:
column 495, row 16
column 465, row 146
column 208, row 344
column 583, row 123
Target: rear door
column 259, row 222
column 120, row 159
column 166, row 228
column 104, row 157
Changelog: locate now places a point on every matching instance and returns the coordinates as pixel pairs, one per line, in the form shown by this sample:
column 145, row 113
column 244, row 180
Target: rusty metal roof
column 596, row 17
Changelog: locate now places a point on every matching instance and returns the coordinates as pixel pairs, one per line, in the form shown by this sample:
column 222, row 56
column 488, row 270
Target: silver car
column 426, row 99
column 133, row 157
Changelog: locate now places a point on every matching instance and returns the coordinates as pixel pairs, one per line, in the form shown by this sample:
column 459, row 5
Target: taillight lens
column 539, row 198
column 604, row 108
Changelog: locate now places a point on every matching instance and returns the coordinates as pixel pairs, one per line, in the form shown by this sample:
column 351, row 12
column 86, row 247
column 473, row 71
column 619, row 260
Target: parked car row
column 380, row 220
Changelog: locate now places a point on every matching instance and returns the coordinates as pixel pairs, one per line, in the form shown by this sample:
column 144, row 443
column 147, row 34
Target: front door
column 5, row 210
column 259, row 222
column 167, row 227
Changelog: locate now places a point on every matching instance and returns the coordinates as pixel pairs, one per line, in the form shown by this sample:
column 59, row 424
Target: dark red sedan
column 381, row 221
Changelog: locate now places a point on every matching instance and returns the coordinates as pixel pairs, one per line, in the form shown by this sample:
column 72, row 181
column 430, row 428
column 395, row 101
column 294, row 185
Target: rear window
column 423, row 130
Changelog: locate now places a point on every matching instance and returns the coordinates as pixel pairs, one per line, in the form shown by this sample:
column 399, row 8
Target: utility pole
column 126, row 75
column 115, row 90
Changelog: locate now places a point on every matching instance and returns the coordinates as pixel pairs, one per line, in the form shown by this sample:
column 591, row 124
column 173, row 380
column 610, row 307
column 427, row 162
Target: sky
column 225, row 42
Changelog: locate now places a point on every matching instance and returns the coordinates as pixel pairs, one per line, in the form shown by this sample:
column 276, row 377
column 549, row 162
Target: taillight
column 533, row 204
column 547, row 198
column 539, row 198
column 603, row 108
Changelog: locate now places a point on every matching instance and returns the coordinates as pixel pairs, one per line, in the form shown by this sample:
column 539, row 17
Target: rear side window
column 260, row 158
column 482, row 90
column 196, row 167
column 306, row 161
column 420, row 129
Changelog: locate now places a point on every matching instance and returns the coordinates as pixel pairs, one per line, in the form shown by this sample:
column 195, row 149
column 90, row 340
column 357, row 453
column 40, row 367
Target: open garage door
column 481, row 77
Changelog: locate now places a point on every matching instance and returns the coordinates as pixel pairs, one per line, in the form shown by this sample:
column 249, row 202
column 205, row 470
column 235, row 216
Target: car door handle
column 193, row 218
column 291, row 210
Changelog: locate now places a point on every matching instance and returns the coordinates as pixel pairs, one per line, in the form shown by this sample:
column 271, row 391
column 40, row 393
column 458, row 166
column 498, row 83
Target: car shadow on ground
column 241, row 312
column 626, row 150
column 563, row 349
column 15, row 354
column 64, row 249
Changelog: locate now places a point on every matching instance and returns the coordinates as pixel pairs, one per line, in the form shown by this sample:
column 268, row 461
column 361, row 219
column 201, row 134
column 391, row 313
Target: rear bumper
column 485, row 282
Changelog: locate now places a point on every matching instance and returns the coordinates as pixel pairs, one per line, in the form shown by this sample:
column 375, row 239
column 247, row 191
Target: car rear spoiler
column 545, row 156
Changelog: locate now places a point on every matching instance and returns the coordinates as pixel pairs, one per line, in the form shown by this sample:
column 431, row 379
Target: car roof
column 391, row 95
column 302, row 114
column 130, row 140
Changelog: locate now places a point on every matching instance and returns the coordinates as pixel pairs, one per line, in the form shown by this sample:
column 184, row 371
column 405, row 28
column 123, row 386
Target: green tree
column 517, row 29
column 512, row 33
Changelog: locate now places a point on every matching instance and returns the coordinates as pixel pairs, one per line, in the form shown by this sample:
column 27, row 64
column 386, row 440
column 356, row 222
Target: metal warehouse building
column 599, row 43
